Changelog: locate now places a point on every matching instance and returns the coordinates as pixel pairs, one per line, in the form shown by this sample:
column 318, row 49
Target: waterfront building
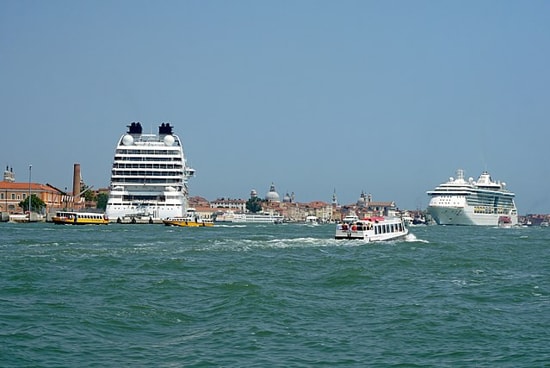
column 236, row 205
column 367, row 206
column 13, row 192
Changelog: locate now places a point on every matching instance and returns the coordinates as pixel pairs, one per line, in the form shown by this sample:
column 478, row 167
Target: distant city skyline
column 281, row 197
column 390, row 98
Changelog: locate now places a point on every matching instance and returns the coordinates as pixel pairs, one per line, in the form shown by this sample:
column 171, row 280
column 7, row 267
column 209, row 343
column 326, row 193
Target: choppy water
column 272, row 295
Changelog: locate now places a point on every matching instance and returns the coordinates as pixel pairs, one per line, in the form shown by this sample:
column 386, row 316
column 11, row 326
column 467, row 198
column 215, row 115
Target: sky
column 386, row 97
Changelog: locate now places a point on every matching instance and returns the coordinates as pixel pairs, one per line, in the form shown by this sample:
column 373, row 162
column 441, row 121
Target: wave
column 412, row 238
column 231, row 226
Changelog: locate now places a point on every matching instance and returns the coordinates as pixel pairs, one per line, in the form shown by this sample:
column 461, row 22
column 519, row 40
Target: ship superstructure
column 149, row 175
column 481, row 202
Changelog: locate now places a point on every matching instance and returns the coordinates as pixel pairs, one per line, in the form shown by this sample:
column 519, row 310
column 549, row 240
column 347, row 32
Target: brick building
column 12, row 193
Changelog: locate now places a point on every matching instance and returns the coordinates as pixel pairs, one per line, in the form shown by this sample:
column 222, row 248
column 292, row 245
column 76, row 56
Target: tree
column 102, row 199
column 87, row 193
column 37, row 205
column 254, row 204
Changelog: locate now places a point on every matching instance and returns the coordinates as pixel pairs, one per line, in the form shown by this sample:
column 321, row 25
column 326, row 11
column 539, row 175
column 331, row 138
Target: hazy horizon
column 389, row 98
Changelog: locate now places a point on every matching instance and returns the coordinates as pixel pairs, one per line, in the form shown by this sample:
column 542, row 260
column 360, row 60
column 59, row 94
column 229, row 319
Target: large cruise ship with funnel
column 482, row 202
column 149, row 175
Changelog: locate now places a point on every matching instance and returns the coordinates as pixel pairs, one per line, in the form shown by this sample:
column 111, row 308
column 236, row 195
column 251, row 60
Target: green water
column 272, row 295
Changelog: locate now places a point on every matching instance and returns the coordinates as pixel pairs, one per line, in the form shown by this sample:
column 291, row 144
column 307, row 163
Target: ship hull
column 155, row 212
column 466, row 217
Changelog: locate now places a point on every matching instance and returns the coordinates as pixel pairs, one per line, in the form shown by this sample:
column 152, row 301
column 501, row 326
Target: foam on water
column 410, row 237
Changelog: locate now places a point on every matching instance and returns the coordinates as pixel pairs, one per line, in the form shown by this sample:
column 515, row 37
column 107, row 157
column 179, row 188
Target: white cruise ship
column 149, row 175
column 482, row 202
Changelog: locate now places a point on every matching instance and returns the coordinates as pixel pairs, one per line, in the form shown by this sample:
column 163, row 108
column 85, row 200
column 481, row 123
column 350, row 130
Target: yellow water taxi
column 191, row 219
column 79, row 218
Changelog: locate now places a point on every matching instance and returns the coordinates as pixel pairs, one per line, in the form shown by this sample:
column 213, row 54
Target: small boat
column 191, row 219
column 371, row 228
column 79, row 218
column 418, row 220
column 312, row 220
column 505, row 221
column 19, row 217
column 25, row 217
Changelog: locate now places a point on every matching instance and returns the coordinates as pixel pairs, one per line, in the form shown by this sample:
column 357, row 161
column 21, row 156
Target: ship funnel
column 135, row 128
column 165, row 129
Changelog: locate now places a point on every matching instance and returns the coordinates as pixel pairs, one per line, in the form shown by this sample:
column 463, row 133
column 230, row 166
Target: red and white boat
column 371, row 228
column 505, row 221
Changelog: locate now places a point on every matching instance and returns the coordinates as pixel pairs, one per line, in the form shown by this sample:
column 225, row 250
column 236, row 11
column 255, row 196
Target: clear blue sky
column 389, row 97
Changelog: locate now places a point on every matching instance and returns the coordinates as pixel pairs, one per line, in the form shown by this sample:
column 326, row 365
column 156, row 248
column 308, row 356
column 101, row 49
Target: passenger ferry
column 259, row 218
column 79, row 218
column 482, row 202
column 191, row 219
column 371, row 228
column 149, row 175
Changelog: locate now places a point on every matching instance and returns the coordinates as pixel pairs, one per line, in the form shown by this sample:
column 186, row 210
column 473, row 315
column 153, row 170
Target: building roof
column 24, row 187
column 222, row 200
column 317, row 204
column 380, row 204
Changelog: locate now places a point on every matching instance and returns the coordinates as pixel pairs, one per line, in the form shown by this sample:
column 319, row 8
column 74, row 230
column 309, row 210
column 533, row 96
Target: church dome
column 272, row 195
column 287, row 198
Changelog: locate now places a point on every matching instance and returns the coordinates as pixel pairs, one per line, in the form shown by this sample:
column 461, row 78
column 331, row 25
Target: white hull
column 466, row 216
column 154, row 212
column 174, row 204
column 255, row 218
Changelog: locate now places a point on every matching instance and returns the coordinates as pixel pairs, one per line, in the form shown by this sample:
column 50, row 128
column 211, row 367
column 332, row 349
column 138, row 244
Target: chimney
column 76, row 184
